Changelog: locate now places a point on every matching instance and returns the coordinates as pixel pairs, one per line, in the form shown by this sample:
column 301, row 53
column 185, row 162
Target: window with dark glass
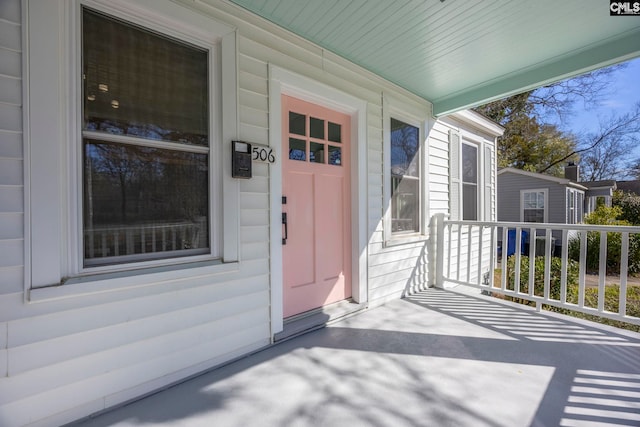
column 469, row 182
column 533, row 206
column 405, row 177
column 145, row 132
column 318, row 137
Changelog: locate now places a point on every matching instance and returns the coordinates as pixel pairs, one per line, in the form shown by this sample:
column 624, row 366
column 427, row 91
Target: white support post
column 437, row 248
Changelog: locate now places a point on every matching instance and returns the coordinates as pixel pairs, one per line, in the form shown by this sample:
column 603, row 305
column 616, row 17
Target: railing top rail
column 553, row 226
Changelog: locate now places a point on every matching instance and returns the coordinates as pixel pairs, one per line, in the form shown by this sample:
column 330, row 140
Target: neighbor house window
column 575, row 200
column 469, row 182
column 405, row 177
column 534, row 205
column 145, row 144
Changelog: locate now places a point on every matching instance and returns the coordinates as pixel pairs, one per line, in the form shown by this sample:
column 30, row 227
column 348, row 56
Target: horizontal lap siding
column 11, row 149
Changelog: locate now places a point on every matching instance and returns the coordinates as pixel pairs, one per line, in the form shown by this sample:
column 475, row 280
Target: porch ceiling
column 460, row 53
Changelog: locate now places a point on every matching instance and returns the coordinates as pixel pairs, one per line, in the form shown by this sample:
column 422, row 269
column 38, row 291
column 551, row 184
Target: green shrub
column 629, row 205
column 611, row 303
column 539, row 264
column 604, row 215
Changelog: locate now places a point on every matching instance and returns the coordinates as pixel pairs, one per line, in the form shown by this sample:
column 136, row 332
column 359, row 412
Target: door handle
column 286, row 232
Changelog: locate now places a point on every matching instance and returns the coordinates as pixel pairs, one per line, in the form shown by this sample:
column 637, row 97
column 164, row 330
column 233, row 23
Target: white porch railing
column 466, row 253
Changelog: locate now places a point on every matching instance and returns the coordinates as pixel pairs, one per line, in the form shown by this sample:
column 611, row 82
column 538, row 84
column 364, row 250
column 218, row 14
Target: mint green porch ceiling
column 462, row 53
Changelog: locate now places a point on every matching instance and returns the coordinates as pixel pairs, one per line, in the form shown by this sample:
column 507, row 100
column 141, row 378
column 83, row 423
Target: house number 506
column 262, row 154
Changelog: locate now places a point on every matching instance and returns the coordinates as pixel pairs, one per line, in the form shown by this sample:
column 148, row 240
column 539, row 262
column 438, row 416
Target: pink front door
column 315, row 183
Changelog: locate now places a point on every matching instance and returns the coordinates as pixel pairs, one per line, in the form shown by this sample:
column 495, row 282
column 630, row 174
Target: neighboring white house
column 136, row 253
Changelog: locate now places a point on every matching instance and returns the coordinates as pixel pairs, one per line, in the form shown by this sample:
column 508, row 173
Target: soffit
column 461, row 53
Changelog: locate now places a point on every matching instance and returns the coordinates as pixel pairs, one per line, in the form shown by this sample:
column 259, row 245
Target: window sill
column 124, row 280
column 406, row 239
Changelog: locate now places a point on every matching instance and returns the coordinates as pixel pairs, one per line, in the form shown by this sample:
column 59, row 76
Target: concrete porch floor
column 438, row 358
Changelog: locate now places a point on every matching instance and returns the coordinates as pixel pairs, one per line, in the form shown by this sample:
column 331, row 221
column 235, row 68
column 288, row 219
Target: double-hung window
column 145, row 144
column 534, row 204
column 124, row 137
column 405, row 177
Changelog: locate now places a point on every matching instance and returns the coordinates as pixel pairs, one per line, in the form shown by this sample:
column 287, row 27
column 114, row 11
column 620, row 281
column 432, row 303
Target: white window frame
column 52, row 118
column 545, row 192
column 414, row 115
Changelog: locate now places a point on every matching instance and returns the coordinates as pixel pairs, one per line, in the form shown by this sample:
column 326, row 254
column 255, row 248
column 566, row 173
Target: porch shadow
column 434, row 358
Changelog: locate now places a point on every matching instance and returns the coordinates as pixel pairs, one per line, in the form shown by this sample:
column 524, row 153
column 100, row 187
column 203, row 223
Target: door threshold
column 317, row 318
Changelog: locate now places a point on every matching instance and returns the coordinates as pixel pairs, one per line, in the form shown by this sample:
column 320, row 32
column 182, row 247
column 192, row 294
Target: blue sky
column 623, row 94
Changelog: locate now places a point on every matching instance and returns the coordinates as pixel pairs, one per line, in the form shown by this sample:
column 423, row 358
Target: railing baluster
column 105, row 251
column 602, row 273
column 469, row 251
column 91, row 238
column 532, row 260
column 563, row 268
column 516, row 284
column 624, row 270
column 583, row 268
column 459, row 253
column 505, row 245
column 480, row 230
column 492, row 255
column 128, row 240
column 547, row 263
column 449, row 232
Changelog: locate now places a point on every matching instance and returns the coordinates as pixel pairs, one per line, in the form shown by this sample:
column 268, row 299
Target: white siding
column 11, row 166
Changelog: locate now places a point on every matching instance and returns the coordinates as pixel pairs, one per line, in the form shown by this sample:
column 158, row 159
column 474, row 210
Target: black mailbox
column 240, row 159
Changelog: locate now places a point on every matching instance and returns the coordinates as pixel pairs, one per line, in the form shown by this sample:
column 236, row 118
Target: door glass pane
column 141, row 84
column 335, row 132
column 297, row 149
column 335, row 155
column 316, row 153
column 142, row 200
column 297, row 123
column 316, row 128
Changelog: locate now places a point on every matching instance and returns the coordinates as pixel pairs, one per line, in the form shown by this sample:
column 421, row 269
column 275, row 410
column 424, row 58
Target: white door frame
column 283, row 82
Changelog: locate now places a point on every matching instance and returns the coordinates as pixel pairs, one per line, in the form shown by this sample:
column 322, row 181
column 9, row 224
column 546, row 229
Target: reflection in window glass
column 140, row 84
column 405, row 177
column 469, row 182
column 404, row 147
column 142, row 202
column 316, row 128
column 335, row 132
column 297, row 123
column 335, row 155
column 316, row 153
column 297, row 149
